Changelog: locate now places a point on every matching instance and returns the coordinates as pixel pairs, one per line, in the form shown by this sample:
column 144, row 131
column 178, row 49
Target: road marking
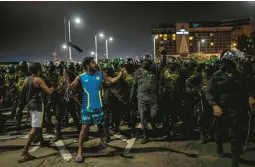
column 62, row 149
column 8, row 137
column 24, row 137
column 130, row 142
column 35, row 147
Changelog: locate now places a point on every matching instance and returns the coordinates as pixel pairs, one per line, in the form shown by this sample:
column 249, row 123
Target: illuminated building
column 206, row 37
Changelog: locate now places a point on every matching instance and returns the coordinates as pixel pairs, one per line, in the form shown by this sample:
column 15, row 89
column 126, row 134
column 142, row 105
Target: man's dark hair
column 86, row 61
column 35, row 67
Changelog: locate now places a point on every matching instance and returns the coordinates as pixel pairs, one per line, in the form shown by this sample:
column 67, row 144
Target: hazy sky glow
column 34, row 30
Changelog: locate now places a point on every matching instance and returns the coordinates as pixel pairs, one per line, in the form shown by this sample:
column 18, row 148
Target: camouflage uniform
column 227, row 90
column 170, row 98
column 145, row 82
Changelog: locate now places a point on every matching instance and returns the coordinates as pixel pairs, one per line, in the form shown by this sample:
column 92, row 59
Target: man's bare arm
column 75, row 83
column 44, row 87
column 115, row 79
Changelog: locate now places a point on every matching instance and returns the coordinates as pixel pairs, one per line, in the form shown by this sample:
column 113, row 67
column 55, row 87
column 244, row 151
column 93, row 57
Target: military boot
column 220, row 150
column 145, row 136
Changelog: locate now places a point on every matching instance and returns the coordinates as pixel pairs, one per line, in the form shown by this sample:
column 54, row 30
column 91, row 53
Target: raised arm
column 115, row 79
column 44, row 87
column 75, row 83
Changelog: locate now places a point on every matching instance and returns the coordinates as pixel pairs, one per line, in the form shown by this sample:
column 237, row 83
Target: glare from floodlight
column 77, row 20
column 64, row 46
column 92, row 53
column 110, row 38
column 202, row 40
column 101, row 35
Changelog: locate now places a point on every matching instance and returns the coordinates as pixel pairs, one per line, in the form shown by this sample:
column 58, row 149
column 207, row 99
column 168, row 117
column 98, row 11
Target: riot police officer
column 189, row 73
column 65, row 103
column 145, row 83
column 229, row 98
column 109, row 102
column 50, row 77
column 127, row 82
column 21, row 76
column 170, row 94
column 10, row 85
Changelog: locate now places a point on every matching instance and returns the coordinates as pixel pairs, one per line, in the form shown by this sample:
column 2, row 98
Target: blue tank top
column 91, row 85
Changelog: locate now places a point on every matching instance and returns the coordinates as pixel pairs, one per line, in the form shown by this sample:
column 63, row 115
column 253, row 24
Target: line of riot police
column 180, row 93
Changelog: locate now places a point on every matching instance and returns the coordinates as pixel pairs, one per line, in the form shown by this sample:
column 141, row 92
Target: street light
column 154, row 44
column 77, row 21
column 64, row 46
column 101, row 35
column 199, row 44
column 92, row 53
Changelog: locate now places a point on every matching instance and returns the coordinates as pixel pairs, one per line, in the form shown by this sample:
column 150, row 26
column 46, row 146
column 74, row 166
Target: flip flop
column 26, row 158
column 102, row 146
column 79, row 159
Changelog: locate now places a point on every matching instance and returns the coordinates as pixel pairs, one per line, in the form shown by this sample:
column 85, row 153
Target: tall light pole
column 69, row 48
column 96, row 47
column 106, row 49
column 199, row 44
column 65, row 38
column 106, row 44
column 101, row 35
column 154, row 44
column 77, row 21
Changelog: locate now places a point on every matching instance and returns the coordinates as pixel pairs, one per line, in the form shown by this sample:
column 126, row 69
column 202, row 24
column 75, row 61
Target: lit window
column 173, row 38
column 173, row 35
column 234, row 44
column 160, row 35
column 190, row 44
column 165, row 39
column 211, row 34
column 211, row 43
column 165, row 35
column 190, row 38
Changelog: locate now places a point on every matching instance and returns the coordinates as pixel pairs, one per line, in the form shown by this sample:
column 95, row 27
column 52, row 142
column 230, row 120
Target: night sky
column 34, row 30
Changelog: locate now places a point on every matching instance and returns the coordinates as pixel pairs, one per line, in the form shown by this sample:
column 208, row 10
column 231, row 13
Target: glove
column 217, row 111
column 251, row 101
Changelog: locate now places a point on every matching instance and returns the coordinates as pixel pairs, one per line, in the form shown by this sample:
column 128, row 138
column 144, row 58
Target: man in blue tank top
column 92, row 113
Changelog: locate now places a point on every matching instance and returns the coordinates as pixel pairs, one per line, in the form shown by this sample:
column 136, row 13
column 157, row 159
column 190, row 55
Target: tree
column 184, row 47
column 246, row 44
column 253, row 42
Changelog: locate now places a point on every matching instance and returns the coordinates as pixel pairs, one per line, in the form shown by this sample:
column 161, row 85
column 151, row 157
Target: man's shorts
column 92, row 117
column 36, row 119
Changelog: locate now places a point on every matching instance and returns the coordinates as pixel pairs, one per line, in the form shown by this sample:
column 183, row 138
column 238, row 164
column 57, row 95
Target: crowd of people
column 175, row 95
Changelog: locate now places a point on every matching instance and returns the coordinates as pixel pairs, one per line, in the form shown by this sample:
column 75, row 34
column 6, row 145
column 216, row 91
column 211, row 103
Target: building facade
column 207, row 37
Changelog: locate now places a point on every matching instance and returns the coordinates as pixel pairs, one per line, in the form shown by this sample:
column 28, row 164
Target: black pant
column 112, row 115
column 148, row 110
column 52, row 104
column 107, row 120
column 204, row 118
column 235, row 118
column 170, row 106
column 60, row 113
